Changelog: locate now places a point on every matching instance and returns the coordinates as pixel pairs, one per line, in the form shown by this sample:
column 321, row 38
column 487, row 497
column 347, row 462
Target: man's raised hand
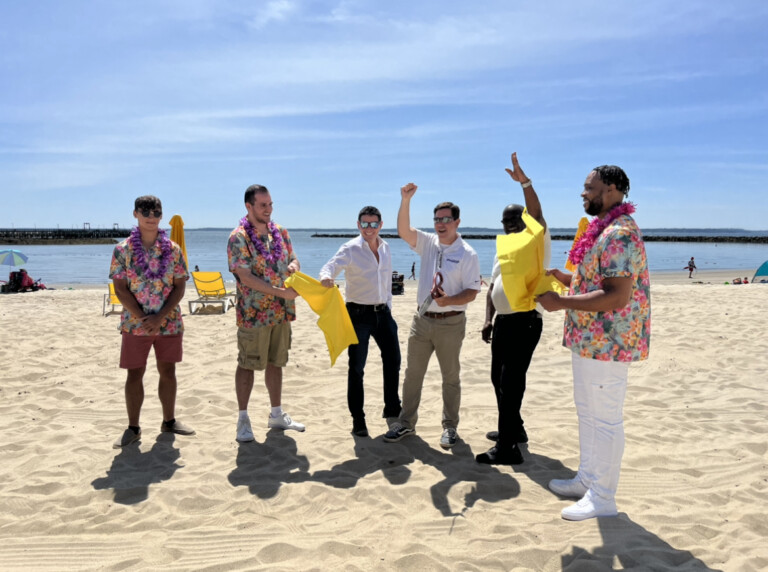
column 408, row 191
column 516, row 172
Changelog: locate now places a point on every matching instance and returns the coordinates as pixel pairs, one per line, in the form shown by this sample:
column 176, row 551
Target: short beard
column 594, row 207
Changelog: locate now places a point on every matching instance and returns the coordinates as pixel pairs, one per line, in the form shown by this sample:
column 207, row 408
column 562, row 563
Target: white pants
column 599, row 388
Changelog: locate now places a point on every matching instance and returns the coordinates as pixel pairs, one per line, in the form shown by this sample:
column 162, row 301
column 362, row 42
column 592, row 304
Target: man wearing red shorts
column 150, row 275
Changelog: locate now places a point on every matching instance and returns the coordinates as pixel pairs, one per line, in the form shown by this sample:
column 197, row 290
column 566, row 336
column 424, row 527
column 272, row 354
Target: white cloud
column 274, row 11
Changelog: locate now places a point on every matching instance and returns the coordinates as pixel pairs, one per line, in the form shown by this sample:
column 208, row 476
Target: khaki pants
column 444, row 338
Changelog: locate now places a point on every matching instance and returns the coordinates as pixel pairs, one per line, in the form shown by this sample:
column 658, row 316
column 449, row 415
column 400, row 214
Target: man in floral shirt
column 261, row 258
column 607, row 326
column 150, row 275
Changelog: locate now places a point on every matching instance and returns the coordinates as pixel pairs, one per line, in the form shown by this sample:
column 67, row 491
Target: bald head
column 512, row 219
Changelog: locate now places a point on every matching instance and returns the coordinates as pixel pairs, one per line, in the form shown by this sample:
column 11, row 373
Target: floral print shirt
column 150, row 294
column 620, row 335
column 255, row 309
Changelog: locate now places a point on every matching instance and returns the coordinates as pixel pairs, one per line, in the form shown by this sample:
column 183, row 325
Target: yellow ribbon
column 583, row 223
column 521, row 256
column 327, row 303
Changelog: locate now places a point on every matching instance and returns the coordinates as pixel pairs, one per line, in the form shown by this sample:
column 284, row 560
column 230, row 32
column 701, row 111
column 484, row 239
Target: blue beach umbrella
column 12, row 257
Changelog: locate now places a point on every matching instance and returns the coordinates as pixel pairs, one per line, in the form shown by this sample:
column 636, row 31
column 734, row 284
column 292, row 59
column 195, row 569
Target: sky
column 334, row 105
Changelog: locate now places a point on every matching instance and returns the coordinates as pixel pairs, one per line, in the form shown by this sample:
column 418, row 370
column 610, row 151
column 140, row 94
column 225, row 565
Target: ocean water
column 206, row 248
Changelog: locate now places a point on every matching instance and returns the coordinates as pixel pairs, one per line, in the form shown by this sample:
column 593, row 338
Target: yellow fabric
column 329, row 305
column 521, row 256
column 177, row 235
column 583, row 223
column 113, row 299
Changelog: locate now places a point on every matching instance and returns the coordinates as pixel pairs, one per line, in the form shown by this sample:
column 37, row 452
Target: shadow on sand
column 133, row 470
column 264, row 467
column 457, row 465
column 624, row 541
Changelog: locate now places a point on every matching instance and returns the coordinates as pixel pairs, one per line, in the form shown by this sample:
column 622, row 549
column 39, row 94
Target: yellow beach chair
column 111, row 299
column 211, row 290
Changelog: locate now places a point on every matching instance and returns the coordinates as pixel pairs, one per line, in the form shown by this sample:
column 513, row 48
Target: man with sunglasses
column 150, row 274
column 449, row 279
column 513, row 335
column 367, row 264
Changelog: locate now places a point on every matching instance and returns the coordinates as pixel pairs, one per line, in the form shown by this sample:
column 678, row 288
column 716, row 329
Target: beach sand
column 693, row 493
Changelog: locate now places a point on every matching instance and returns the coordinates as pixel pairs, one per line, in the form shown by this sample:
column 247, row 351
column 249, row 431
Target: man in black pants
column 367, row 264
column 513, row 337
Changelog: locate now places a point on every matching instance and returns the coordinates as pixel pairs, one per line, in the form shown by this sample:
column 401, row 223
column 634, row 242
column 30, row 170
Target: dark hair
column 448, row 205
column 613, row 175
column 370, row 211
column 251, row 191
column 147, row 202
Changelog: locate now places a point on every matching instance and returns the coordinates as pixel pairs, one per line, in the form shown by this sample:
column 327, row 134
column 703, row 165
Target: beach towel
column 521, row 256
column 327, row 303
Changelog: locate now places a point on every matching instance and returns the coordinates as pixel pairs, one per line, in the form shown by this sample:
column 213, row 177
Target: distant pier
column 569, row 237
column 62, row 235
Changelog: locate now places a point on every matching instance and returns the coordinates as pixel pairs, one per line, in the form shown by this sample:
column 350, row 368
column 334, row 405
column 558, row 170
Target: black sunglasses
column 364, row 224
column 149, row 212
column 443, row 219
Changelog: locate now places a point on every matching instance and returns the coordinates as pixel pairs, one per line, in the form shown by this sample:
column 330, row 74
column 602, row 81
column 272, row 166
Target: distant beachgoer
column 261, row 257
column 367, row 264
column 413, row 272
column 691, row 267
column 197, row 268
column 736, row 280
column 607, row 326
column 150, row 274
column 746, row 280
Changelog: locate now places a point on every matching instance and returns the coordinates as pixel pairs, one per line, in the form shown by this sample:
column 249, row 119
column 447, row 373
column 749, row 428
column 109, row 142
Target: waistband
column 529, row 313
column 442, row 315
column 374, row 307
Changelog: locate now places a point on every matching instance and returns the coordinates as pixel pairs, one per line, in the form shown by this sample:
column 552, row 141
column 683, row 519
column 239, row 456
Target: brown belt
column 442, row 315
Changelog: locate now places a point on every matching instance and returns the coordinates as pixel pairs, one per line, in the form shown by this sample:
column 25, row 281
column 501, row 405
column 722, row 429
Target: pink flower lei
column 141, row 257
column 277, row 240
column 595, row 228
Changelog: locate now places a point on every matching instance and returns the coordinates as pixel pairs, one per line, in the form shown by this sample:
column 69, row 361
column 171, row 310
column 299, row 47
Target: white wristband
column 526, row 184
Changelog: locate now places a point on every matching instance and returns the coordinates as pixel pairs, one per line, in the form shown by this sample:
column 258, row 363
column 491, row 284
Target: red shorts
column 135, row 349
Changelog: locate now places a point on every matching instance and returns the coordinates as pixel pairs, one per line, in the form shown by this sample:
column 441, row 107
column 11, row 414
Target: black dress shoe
column 496, row 456
column 520, row 437
column 359, row 427
column 492, row 435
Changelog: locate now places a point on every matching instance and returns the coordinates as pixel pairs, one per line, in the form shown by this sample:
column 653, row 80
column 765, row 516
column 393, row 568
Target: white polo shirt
column 368, row 281
column 457, row 262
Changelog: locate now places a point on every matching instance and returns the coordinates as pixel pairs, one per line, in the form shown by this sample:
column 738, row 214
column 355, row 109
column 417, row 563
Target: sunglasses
column 443, row 219
column 364, row 224
column 146, row 213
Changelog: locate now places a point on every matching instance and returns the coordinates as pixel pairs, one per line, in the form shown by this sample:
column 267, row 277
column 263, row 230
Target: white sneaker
column 591, row 506
column 284, row 422
column 572, row 488
column 244, row 432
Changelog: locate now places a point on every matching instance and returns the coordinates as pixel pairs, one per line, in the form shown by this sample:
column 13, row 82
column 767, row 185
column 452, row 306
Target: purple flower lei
column 596, row 227
column 141, row 257
column 277, row 240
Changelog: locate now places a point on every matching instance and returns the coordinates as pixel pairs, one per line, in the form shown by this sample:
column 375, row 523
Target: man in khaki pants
column 449, row 278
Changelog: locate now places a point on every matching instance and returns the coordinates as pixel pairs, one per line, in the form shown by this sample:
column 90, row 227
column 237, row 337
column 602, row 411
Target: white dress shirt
column 368, row 281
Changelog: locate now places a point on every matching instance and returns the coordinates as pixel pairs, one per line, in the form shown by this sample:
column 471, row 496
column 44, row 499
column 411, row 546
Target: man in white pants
column 607, row 326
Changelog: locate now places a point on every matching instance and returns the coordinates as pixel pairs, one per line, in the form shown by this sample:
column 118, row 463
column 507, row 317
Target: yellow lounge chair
column 211, row 290
column 111, row 299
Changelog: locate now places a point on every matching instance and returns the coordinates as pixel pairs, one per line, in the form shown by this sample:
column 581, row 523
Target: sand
column 693, row 492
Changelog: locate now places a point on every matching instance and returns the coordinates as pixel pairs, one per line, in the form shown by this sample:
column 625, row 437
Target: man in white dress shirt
column 367, row 265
